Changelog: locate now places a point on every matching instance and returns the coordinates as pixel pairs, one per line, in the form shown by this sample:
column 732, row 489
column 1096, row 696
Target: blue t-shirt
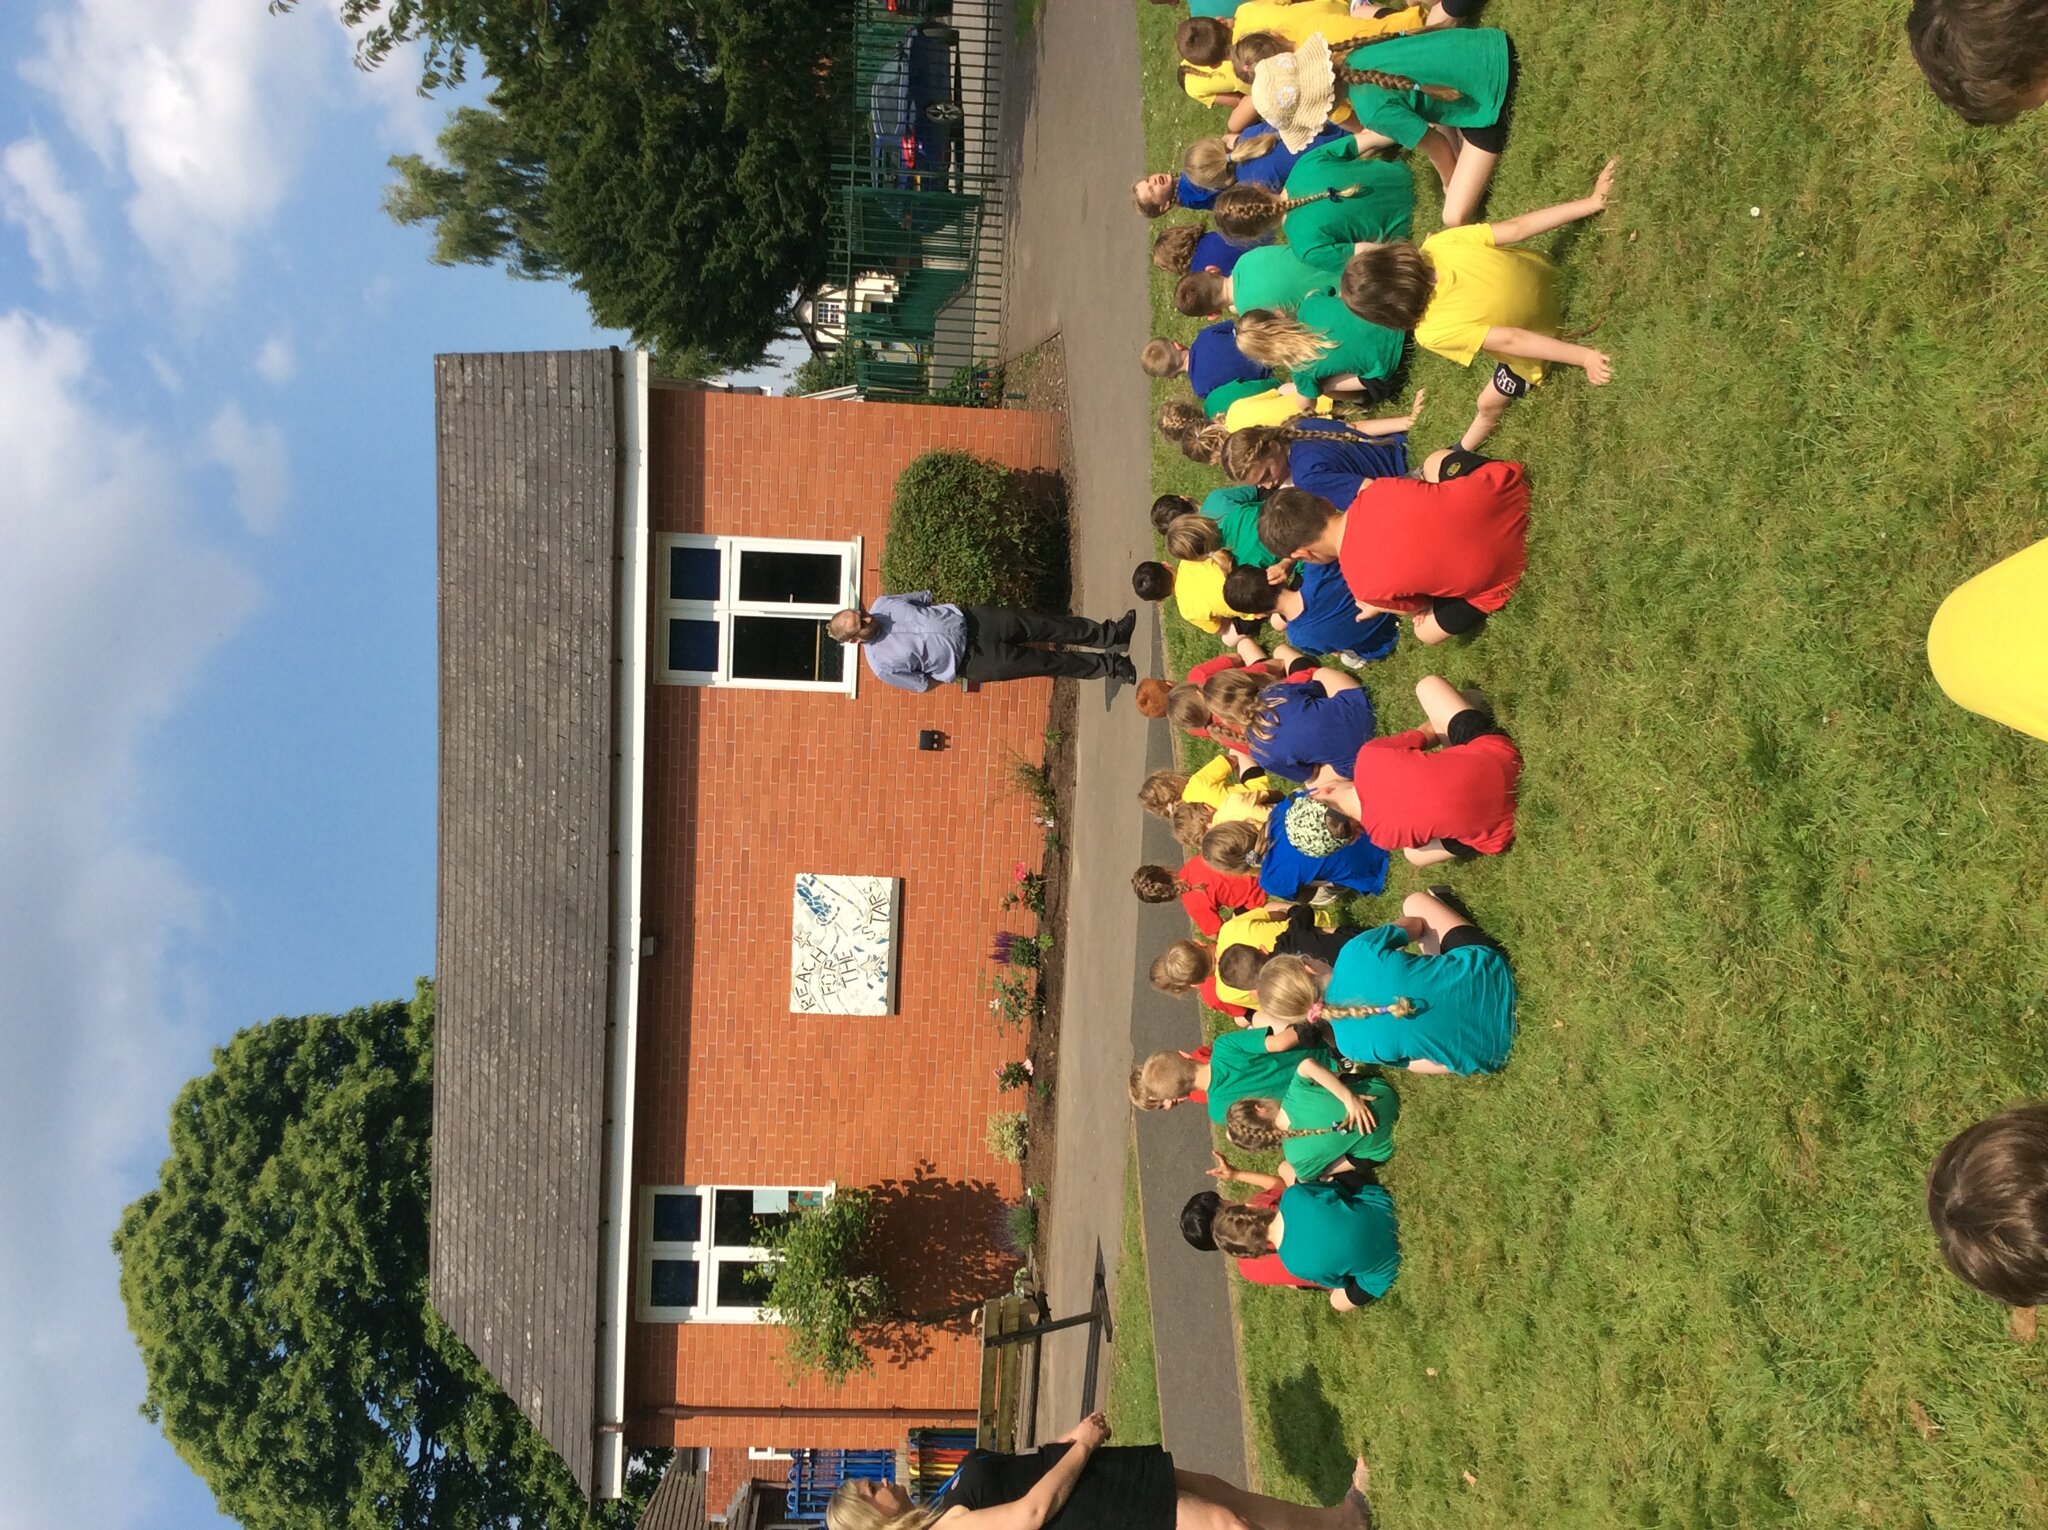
column 1360, row 865
column 1337, row 468
column 1270, row 169
column 1311, row 727
column 1194, row 198
column 1329, row 620
column 1214, row 359
column 1465, row 1003
column 1212, row 249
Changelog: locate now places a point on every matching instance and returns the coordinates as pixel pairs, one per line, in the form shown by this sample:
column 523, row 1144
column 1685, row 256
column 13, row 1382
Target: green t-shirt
column 1241, row 1068
column 1223, row 10
column 1235, row 510
column 1272, row 277
column 1310, row 1107
column 1221, row 398
column 1471, row 60
column 1322, row 234
column 1465, row 1003
column 1370, row 350
column 1331, row 1235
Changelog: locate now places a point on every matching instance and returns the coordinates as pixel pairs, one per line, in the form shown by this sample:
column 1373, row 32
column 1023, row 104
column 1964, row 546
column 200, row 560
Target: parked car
column 918, row 10
column 915, row 113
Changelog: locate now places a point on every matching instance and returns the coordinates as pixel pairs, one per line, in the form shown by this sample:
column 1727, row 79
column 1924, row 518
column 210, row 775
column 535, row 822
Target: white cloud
column 52, row 218
column 254, row 456
column 204, row 106
column 276, row 362
column 110, row 602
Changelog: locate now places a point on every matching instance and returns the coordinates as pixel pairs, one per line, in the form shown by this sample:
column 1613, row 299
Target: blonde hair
column 1252, row 1125
column 1161, row 790
column 1243, row 212
column 1206, row 445
column 1186, row 707
column 1196, row 536
column 1174, row 249
column 1164, row 1078
column 1275, row 338
column 1191, row 822
column 1243, row 450
column 1211, row 163
column 1180, row 967
column 849, row 1509
column 1161, row 358
column 1235, row 849
column 1237, row 698
column 1180, row 418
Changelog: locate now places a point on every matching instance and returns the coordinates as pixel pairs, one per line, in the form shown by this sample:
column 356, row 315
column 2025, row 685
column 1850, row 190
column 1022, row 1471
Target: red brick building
column 645, row 741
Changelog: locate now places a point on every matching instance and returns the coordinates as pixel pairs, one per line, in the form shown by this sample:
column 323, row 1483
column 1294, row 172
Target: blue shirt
column 1214, row 360
column 1212, row 249
column 1465, row 1003
column 1337, row 468
column 1286, row 872
column 920, row 645
column 1329, row 620
column 1269, row 169
column 1309, row 727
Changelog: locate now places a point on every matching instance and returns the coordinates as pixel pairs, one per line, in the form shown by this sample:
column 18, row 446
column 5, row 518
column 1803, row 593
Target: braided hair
column 1206, row 445
column 1288, row 990
column 1246, row 213
column 1252, row 1128
column 1244, row 449
column 1344, row 74
column 1180, row 418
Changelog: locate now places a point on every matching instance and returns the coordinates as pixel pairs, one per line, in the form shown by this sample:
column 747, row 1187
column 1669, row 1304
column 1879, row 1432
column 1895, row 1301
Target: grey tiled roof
column 527, row 464
column 678, row 1502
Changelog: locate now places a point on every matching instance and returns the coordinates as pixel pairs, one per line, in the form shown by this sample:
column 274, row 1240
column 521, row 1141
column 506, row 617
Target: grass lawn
column 1777, row 908
column 1133, row 1402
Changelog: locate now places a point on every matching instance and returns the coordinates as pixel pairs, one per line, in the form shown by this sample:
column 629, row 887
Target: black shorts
column 1493, row 138
column 1470, row 724
column 1458, row 462
column 1509, row 383
column 1458, row 616
column 1467, row 935
column 1305, row 664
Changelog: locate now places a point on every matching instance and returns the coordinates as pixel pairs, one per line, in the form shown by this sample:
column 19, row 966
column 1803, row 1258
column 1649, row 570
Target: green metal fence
column 917, row 216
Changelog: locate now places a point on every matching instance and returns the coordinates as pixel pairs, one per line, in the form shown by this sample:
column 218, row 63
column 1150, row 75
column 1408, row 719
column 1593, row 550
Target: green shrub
column 819, row 1290
column 1020, row 1227
column 1007, row 1133
column 973, row 532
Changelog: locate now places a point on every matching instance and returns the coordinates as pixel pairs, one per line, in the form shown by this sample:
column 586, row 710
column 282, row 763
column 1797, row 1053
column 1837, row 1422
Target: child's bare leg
column 1438, row 917
column 1491, row 406
column 1466, row 188
column 1429, row 630
column 1441, row 701
column 1259, row 1511
column 1431, row 854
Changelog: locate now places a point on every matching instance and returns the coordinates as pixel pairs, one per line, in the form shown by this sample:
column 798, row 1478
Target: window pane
column 742, row 1282
column 785, row 648
column 674, row 1283
column 693, row 645
column 693, row 573
column 732, row 1220
column 806, row 578
column 678, row 1218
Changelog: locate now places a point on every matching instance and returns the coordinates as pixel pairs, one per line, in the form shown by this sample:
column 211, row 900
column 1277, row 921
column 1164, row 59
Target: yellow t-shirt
column 1198, row 592
column 1271, row 408
column 1333, row 18
column 1480, row 286
column 1205, row 82
column 1242, row 804
column 1988, row 646
column 1211, row 783
column 1261, row 928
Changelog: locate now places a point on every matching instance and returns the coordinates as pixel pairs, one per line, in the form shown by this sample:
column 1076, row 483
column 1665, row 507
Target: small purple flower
column 1000, row 955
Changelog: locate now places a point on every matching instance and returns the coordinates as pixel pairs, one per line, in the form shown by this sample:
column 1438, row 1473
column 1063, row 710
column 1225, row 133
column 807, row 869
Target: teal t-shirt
column 1221, row 9
column 1322, row 234
column 1216, row 400
column 1331, row 1235
column 1241, row 1068
column 1272, row 277
column 1311, row 1107
column 1370, row 350
column 1235, row 510
column 1465, row 1003
column 1471, row 60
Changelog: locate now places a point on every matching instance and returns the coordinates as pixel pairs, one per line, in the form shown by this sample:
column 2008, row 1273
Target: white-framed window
column 751, row 612
column 766, row 1453
column 701, row 1256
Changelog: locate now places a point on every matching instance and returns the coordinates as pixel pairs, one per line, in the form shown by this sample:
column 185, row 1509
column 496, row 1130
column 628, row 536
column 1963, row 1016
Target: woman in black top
column 1076, row 1483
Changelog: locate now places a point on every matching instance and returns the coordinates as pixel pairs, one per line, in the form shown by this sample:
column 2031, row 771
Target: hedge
column 975, row 532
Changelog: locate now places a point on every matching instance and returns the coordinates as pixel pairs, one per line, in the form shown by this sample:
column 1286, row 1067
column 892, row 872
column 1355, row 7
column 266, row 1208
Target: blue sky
column 217, row 613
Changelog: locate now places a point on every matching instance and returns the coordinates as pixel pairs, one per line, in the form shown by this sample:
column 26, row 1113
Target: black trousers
column 997, row 640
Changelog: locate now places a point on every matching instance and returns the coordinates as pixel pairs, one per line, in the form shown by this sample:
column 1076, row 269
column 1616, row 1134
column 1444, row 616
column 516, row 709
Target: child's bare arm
column 1393, row 424
column 1242, row 113
column 1542, row 221
column 1526, row 342
column 1356, row 1111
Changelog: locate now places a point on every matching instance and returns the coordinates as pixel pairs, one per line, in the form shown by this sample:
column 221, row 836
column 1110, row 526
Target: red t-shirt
column 1407, row 543
column 1267, row 1270
column 1211, row 891
column 1410, row 793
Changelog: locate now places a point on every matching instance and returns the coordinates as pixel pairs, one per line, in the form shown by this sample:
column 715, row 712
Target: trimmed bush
column 975, row 533
column 1008, row 1134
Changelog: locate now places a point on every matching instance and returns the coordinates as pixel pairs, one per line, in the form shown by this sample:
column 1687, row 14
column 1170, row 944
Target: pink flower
column 1023, row 871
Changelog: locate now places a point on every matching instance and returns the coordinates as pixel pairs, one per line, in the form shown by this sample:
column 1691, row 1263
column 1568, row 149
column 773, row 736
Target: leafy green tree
column 276, row 1281
column 487, row 203
column 819, row 1288
column 823, row 370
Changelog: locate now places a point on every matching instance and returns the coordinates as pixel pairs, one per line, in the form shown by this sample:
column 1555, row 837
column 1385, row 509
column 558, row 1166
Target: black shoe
column 1121, row 668
column 1120, row 631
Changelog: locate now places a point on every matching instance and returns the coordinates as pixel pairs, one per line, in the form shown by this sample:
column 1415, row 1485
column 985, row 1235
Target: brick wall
column 744, row 790
column 728, row 1467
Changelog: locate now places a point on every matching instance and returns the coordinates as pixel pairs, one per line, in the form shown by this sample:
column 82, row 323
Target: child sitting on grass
column 1188, row 966
column 1463, row 291
column 1196, row 581
column 1241, row 1064
column 1450, row 1009
column 1209, row 896
column 1308, row 1129
column 1301, row 846
column 1987, row 60
column 1315, row 611
column 1193, row 247
column 1441, row 792
column 1293, row 729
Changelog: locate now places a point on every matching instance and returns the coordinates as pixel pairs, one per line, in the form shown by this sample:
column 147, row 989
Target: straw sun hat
column 1296, row 91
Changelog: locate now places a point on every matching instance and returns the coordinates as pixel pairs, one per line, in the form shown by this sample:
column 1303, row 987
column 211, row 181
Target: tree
column 819, row 1289
column 488, row 204
column 275, row 1280
column 821, row 370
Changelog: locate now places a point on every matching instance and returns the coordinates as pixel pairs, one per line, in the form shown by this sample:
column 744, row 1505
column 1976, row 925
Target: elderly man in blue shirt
column 914, row 644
